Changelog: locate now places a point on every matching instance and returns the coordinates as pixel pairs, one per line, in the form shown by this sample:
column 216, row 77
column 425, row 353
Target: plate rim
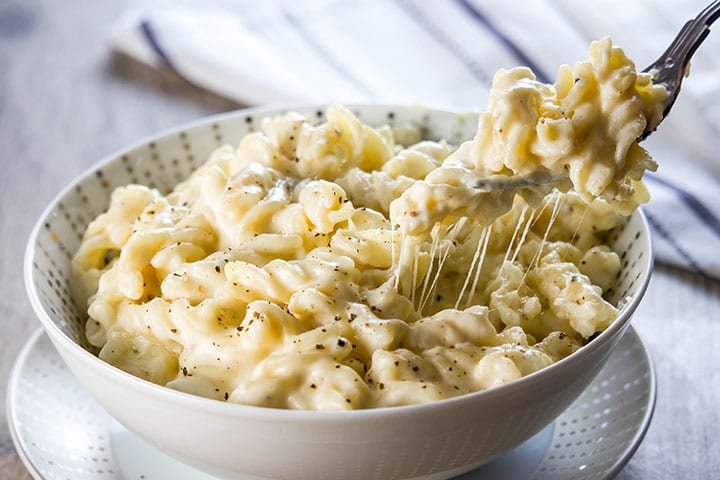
column 17, row 440
column 649, row 412
column 34, row 338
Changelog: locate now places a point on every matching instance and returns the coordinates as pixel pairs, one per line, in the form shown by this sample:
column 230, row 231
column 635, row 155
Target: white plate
column 61, row 433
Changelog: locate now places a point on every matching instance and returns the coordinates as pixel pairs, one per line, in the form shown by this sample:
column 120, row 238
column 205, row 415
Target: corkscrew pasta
column 285, row 273
column 582, row 131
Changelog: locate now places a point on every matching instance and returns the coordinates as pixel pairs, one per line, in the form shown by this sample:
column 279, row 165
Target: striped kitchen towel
column 444, row 54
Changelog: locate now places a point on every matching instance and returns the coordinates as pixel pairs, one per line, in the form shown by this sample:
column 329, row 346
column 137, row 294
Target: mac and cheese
column 287, row 273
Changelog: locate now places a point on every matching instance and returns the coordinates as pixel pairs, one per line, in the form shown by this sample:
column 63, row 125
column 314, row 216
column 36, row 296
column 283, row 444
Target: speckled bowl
column 429, row 441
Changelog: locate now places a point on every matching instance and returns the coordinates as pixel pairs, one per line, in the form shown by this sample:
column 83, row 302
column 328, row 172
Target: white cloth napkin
column 443, row 54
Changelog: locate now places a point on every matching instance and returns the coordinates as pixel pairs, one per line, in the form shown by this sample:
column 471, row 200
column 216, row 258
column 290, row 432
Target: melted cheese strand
column 488, row 232
column 435, row 235
column 528, row 225
column 473, row 263
column 553, row 216
column 521, row 219
column 452, row 233
column 582, row 219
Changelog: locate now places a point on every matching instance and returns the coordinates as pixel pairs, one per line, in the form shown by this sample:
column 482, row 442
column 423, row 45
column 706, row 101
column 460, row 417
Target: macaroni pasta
column 277, row 275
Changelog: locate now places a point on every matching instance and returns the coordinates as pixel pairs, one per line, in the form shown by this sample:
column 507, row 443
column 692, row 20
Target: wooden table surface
column 65, row 102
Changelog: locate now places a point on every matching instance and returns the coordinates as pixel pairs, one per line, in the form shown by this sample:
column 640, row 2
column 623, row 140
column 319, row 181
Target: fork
column 669, row 70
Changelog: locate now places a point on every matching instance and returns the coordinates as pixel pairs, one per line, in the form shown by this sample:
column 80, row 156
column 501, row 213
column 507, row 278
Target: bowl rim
column 278, row 414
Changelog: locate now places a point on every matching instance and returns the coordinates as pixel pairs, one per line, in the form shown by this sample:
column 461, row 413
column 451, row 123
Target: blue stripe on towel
column 325, row 55
column 149, row 33
column 478, row 16
column 448, row 43
column 703, row 213
column 684, row 254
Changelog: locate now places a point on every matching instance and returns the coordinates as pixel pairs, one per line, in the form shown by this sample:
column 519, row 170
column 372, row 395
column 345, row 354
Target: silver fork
column 669, row 70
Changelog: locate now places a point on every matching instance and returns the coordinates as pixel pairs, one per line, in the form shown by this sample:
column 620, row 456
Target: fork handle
column 669, row 70
column 686, row 42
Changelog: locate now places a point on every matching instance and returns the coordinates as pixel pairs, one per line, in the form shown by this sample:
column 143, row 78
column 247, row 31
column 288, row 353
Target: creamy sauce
column 329, row 267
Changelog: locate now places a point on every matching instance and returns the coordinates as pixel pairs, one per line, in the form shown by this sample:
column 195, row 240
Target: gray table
column 65, row 102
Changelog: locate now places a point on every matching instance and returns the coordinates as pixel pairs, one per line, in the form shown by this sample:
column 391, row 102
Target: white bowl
column 429, row 441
